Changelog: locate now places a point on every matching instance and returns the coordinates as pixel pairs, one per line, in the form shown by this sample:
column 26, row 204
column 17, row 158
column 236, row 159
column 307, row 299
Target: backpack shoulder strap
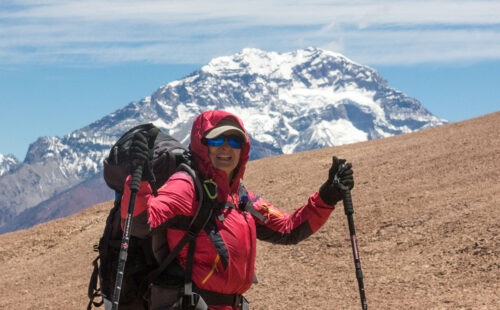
column 199, row 221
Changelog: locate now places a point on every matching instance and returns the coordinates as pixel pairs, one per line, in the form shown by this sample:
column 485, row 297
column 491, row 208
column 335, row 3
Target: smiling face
column 225, row 157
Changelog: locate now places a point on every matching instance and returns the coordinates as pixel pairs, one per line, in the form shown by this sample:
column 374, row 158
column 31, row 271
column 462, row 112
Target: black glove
column 340, row 179
column 139, row 155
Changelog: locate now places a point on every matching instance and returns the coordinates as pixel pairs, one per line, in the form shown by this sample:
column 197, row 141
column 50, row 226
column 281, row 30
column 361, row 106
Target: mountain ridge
column 289, row 102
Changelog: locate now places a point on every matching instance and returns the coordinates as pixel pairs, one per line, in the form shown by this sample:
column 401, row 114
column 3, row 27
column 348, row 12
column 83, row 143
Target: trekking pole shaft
column 122, row 258
column 349, row 210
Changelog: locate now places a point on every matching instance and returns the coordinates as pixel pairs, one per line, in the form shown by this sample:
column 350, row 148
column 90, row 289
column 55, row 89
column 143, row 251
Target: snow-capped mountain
column 7, row 163
column 289, row 102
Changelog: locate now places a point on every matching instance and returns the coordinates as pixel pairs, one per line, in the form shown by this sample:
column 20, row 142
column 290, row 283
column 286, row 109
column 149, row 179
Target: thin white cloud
column 193, row 31
column 267, row 12
column 428, row 46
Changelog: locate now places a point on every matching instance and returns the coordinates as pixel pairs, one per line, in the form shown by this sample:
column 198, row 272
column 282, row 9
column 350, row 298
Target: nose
column 225, row 144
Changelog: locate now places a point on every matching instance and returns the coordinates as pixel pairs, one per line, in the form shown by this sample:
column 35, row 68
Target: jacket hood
column 203, row 123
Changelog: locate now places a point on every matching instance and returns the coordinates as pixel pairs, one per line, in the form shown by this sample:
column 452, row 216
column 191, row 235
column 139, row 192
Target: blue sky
column 67, row 63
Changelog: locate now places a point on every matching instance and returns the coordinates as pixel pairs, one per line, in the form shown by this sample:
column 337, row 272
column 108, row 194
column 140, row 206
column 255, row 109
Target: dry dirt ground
column 427, row 220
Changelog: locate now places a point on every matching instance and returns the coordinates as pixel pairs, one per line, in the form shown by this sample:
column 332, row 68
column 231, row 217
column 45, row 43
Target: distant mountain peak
column 44, row 148
column 271, row 64
column 7, row 163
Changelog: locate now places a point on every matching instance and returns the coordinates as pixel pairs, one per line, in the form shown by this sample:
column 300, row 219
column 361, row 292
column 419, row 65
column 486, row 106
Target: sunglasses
column 235, row 141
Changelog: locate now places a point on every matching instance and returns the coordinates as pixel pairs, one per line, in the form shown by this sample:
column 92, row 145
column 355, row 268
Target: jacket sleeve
column 173, row 205
column 283, row 228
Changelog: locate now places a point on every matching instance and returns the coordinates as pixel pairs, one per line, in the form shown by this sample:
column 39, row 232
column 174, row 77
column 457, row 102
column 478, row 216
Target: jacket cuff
column 141, row 197
column 320, row 203
column 144, row 187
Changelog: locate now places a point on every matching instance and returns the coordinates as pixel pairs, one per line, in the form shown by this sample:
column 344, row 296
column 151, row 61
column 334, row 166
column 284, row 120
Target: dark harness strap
column 203, row 214
column 219, row 299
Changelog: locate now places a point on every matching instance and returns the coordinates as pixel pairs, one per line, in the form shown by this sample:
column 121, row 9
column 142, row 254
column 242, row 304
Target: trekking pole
column 349, row 210
column 122, row 258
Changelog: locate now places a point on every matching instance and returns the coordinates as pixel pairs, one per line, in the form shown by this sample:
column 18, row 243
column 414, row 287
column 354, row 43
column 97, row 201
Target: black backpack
column 142, row 267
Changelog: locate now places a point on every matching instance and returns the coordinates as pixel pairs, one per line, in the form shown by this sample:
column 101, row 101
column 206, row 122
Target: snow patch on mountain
column 7, row 163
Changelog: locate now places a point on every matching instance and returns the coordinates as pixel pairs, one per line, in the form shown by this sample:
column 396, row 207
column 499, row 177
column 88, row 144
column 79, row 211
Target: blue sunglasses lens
column 234, row 141
column 235, row 144
column 216, row 141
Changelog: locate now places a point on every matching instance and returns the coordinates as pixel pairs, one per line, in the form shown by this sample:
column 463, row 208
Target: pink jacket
column 224, row 260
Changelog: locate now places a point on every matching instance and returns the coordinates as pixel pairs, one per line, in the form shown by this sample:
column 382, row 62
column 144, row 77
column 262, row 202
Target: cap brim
column 217, row 131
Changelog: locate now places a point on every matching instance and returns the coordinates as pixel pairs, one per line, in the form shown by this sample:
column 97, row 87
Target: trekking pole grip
column 136, row 178
column 348, row 208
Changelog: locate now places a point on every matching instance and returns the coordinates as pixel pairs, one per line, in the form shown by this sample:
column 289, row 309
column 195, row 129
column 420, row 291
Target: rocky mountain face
column 7, row 163
column 302, row 100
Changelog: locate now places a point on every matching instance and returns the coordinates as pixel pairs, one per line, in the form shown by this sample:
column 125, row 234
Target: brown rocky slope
column 426, row 212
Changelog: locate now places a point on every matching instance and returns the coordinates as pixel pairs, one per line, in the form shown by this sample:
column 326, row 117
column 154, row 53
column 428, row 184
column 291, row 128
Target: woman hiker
column 224, row 258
